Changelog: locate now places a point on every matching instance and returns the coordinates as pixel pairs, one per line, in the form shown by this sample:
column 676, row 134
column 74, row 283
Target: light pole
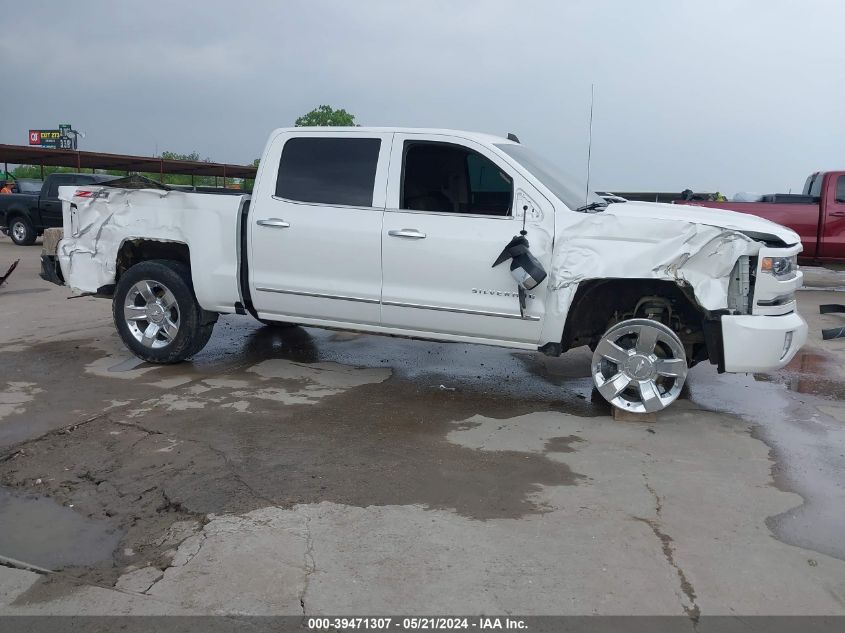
column 76, row 136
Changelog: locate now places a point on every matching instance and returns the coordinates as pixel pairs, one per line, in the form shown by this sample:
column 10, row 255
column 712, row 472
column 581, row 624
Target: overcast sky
column 734, row 95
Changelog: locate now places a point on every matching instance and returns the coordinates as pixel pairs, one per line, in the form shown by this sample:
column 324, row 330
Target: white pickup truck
column 395, row 231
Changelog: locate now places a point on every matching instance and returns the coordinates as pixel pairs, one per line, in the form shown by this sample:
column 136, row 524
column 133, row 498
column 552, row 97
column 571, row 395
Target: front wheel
column 21, row 231
column 157, row 315
column 639, row 365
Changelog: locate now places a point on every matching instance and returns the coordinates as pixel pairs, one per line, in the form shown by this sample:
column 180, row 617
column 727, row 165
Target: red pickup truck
column 817, row 215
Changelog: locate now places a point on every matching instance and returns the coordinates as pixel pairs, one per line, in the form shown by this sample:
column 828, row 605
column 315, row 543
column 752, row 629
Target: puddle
column 809, row 373
column 563, row 383
column 807, row 449
column 39, row 531
column 127, row 365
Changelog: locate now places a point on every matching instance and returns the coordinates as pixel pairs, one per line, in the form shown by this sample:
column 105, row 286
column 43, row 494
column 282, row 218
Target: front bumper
column 754, row 343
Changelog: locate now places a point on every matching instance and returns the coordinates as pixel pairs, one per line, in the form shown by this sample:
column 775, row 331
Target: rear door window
column 840, row 189
column 332, row 171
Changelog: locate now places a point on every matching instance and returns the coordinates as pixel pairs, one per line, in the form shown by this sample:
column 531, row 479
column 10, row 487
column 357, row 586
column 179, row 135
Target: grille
column 741, row 286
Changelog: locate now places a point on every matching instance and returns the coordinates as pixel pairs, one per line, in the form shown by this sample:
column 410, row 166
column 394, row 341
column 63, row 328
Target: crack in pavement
column 17, row 449
column 96, row 476
column 152, row 584
column 310, row 565
column 182, row 557
column 692, row 610
column 220, row 453
column 235, row 474
column 61, row 576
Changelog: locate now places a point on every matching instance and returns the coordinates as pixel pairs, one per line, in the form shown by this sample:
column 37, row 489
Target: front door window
column 446, row 178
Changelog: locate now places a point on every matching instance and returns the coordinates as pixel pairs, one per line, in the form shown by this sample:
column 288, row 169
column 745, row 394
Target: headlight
column 779, row 266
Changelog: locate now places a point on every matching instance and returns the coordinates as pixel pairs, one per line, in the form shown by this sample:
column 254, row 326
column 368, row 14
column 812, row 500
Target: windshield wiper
column 593, row 206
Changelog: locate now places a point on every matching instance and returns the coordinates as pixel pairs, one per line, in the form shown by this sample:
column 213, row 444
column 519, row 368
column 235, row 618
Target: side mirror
column 526, row 269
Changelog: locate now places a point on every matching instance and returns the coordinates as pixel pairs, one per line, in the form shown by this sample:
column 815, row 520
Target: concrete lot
column 300, row 470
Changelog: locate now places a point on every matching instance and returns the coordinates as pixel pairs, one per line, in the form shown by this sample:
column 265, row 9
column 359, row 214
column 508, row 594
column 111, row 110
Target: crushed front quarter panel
column 608, row 245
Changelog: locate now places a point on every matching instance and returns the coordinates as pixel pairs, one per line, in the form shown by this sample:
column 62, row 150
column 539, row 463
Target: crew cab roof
column 480, row 137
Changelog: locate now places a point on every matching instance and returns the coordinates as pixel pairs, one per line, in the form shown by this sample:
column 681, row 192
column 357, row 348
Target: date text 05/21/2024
column 416, row 623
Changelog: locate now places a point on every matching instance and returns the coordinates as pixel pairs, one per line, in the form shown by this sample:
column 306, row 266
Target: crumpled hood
column 703, row 215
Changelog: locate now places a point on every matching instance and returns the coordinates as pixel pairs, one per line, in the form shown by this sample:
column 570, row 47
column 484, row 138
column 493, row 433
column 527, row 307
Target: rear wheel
column 21, row 231
column 157, row 315
column 639, row 365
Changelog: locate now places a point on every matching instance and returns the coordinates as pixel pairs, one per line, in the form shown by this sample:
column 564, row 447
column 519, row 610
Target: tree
column 34, row 171
column 185, row 179
column 194, row 156
column 326, row 115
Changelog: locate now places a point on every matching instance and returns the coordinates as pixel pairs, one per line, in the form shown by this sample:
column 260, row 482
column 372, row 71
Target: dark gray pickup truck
column 23, row 217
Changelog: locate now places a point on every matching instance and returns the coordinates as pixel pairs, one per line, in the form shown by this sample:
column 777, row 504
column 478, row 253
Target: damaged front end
column 720, row 275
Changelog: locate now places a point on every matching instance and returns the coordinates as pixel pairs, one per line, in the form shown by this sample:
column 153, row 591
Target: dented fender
column 98, row 221
column 649, row 241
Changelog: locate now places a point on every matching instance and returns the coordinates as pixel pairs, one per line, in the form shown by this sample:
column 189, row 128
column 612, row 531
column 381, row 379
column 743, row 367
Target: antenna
column 590, row 143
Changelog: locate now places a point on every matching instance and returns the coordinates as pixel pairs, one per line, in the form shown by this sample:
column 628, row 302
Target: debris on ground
column 835, row 332
column 9, row 272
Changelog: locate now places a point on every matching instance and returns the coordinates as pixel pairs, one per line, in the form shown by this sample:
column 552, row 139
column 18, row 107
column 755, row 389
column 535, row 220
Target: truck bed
column 101, row 222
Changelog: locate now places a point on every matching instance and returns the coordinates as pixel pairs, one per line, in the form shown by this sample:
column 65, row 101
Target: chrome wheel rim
column 640, row 366
column 151, row 314
column 19, row 231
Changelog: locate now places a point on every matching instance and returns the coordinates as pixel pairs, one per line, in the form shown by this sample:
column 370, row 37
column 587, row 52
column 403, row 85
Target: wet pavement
column 309, row 471
column 800, row 414
column 43, row 533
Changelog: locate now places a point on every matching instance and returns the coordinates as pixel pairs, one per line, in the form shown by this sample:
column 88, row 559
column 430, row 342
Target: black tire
column 21, row 231
column 278, row 324
column 193, row 324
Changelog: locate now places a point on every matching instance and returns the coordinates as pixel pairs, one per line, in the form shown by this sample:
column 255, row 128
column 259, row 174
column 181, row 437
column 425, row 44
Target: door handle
column 274, row 222
column 412, row 234
column 838, row 214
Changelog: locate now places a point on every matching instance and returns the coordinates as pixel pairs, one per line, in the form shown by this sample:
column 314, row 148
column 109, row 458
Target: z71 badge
column 102, row 194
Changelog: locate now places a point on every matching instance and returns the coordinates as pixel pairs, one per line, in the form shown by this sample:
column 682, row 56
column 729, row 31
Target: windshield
column 561, row 184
